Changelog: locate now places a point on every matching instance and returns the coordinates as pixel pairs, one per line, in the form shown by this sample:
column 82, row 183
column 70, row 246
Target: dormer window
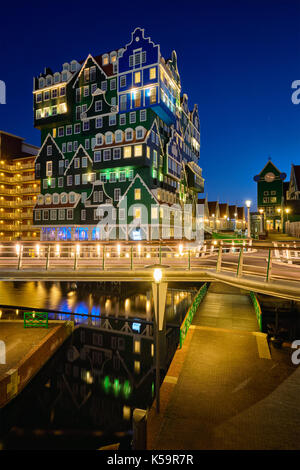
column 105, row 59
column 57, row 77
column 49, row 80
column 113, row 57
column 66, row 66
column 128, row 134
column 64, row 76
column 41, row 82
column 74, row 65
column 119, row 136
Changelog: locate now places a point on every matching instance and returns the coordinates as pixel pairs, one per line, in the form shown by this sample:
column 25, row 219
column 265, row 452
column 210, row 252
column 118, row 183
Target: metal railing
column 191, row 312
column 257, row 309
column 239, row 257
column 35, row 320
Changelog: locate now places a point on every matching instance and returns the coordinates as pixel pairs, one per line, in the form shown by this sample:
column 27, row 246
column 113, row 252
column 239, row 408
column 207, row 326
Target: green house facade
column 120, row 147
column 270, row 196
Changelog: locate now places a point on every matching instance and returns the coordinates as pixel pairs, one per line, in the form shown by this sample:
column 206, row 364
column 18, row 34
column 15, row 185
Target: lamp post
column 287, row 211
column 157, row 277
column 248, row 205
column 261, row 211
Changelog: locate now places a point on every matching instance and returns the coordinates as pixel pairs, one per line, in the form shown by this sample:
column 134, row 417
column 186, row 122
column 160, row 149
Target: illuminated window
column 137, row 367
column 137, row 194
column 137, row 347
column 105, row 59
column 152, row 73
column 137, row 99
column 137, row 77
column 127, row 152
column 148, row 152
column 138, row 150
column 54, row 132
column 153, row 95
column 154, row 212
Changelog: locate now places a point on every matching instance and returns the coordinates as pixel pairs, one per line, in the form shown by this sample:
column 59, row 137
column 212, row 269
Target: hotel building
column 119, row 138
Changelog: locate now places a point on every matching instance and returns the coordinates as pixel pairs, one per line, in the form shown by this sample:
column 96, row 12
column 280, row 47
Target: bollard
column 139, row 429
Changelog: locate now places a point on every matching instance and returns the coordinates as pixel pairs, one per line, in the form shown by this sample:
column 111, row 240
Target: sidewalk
column 228, row 392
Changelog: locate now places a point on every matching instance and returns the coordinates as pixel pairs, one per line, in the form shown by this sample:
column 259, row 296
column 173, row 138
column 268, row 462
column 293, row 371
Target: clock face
column 269, row 177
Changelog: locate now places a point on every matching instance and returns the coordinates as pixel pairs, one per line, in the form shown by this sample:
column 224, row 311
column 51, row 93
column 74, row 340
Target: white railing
column 238, row 257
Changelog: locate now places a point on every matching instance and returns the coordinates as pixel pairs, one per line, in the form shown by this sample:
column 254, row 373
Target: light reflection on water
column 109, row 299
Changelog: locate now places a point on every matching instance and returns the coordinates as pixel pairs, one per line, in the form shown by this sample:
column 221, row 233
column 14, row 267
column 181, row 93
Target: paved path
column 224, row 390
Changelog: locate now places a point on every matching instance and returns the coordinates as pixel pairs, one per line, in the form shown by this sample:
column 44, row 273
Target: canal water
column 84, row 396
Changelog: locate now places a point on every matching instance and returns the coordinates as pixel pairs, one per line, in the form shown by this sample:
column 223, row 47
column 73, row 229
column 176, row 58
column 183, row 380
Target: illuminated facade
column 115, row 125
column 18, row 188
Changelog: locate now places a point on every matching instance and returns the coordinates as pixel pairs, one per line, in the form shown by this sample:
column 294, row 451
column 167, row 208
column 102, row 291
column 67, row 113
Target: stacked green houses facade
column 120, row 147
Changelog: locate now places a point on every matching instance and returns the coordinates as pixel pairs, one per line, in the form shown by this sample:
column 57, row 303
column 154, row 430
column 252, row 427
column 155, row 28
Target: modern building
column 18, row 188
column 120, row 146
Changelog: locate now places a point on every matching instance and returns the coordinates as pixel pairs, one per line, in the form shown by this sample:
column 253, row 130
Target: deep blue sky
column 237, row 60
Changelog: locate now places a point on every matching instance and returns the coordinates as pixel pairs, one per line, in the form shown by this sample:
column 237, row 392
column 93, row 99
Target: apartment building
column 18, row 188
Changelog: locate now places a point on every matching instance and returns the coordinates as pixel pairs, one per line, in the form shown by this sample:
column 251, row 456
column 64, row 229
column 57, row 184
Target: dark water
column 128, row 300
column 85, row 395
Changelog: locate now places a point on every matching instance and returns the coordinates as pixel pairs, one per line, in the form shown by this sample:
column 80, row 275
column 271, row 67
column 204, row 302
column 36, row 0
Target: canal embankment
column 25, row 351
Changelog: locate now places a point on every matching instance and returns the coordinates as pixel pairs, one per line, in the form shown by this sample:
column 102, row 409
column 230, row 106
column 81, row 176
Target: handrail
column 191, row 312
column 257, row 309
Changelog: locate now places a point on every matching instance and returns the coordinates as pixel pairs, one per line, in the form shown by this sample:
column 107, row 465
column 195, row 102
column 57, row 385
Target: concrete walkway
column 224, row 390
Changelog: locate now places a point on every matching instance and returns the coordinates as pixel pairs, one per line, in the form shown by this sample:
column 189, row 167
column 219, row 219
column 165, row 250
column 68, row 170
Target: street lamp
column 248, row 205
column 157, row 277
column 261, row 211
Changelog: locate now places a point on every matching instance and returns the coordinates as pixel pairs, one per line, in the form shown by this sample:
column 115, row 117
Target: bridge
column 267, row 268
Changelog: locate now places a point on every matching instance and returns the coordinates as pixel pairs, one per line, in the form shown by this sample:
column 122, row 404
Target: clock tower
column 270, row 196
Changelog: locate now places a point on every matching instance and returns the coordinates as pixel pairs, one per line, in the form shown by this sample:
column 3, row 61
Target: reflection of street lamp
column 248, row 205
column 157, row 277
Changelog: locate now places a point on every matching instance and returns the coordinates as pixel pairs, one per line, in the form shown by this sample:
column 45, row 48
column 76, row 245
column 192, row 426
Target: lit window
column 152, row 73
column 138, row 150
column 127, row 152
column 137, row 212
column 137, row 77
column 137, row 194
column 153, row 95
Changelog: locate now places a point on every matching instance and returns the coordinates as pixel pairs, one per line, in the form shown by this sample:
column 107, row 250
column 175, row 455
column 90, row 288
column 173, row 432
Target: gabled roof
column 137, row 176
column 223, row 208
column 46, row 142
column 75, row 154
column 212, row 207
column 296, row 169
column 241, row 212
column 232, row 211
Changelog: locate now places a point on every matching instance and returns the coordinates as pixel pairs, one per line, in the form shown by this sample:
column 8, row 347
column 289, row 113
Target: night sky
column 236, row 59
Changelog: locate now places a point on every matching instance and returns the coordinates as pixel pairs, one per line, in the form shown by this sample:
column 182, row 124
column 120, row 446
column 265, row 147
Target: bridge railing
column 239, row 256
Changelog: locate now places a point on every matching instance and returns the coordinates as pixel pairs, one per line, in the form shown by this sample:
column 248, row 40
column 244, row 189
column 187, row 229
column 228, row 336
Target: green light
column 152, row 389
column 49, row 181
column 106, row 384
column 126, row 389
column 116, row 387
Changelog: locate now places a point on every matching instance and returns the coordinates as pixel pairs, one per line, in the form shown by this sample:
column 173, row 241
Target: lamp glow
column 248, row 203
column 157, row 275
